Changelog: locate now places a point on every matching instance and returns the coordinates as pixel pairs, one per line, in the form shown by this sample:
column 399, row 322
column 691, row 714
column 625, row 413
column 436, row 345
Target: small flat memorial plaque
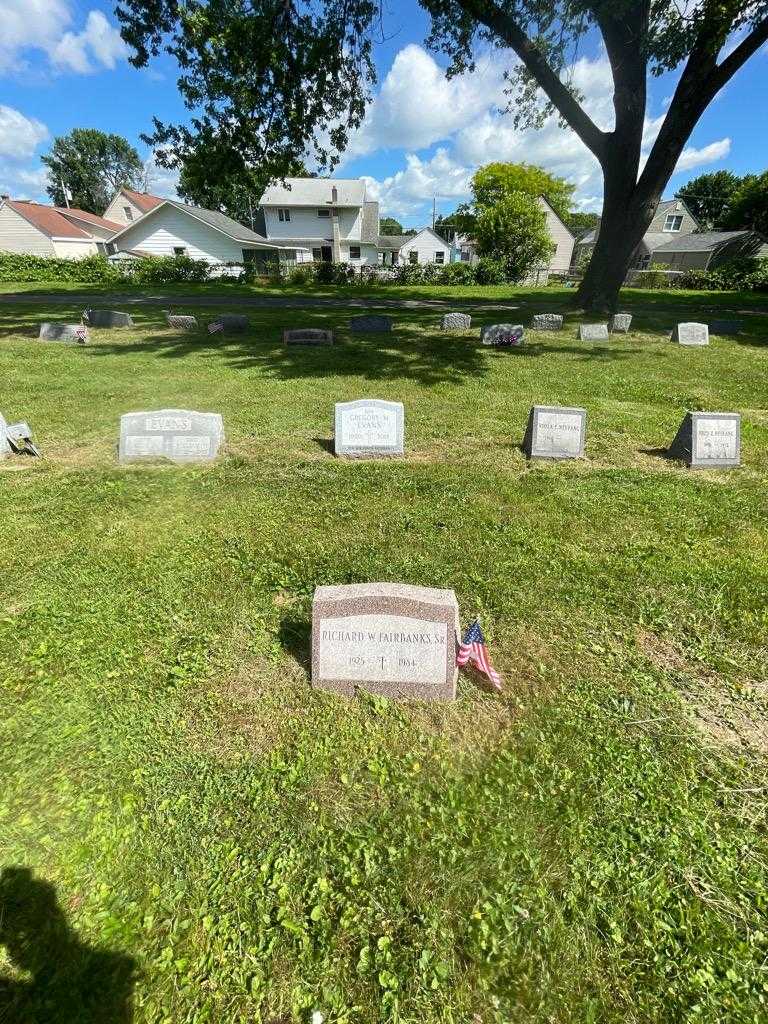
column 308, row 336
column 555, row 432
column 369, row 428
column 502, row 335
column 547, row 322
column 708, row 439
column 370, row 324
column 176, row 434
column 107, row 318
column 388, row 638
column 593, row 332
column 456, row 322
column 691, row 334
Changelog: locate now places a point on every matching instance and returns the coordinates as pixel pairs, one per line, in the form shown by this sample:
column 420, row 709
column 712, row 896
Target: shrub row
column 739, row 275
column 153, row 270
column 485, row 271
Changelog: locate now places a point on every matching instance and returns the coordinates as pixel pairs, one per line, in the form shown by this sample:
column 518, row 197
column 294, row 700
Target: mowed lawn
column 190, row 833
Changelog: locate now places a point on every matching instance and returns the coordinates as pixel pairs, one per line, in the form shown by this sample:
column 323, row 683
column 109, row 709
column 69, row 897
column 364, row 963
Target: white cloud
column 46, row 25
column 19, row 135
column 403, row 194
column 160, row 180
column 692, row 157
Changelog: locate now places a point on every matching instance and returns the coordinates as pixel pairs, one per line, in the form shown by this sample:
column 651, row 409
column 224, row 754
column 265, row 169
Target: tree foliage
column 208, row 181
column 749, row 206
column 92, row 166
column 709, row 197
column 390, row 226
column 496, row 180
column 514, row 231
column 579, row 223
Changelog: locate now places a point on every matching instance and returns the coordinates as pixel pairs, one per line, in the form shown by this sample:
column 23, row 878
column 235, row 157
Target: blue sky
column 64, row 66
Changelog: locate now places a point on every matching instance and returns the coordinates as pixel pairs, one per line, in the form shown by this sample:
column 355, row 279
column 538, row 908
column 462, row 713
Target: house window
column 440, row 257
column 283, row 215
column 673, row 222
column 354, row 252
column 317, row 255
column 465, row 256
column 325, row 213
column 413, row 256
column 179, row 250
column 127, row 210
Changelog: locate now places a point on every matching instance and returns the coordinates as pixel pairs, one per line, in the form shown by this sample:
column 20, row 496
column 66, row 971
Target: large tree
column 749, row 206
column 709, row 197
column 271, row 79
column 91, row 165
column 492, row 182
column 390, row 226
column 513, row 230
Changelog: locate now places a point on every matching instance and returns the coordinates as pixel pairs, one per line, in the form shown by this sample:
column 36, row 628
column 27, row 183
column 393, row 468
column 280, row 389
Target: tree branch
column 505, row 26
column 724, row 71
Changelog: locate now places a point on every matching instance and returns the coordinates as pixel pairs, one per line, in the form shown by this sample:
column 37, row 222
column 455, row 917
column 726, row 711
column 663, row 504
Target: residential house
column 129, row 205
column 171, row 228
column 426, row 246
column 709, row 249
column 672, row 220
column 328, row 219
column 40, row 230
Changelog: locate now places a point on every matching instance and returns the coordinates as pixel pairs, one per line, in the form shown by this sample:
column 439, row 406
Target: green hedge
column 98, row 269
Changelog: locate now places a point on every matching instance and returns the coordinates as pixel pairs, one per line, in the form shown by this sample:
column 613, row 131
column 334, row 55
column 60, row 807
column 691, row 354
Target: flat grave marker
column 77, row 333
column 708, row 439
column 229, row 322
column 555, row 432
column 547, row 322
column 107, row 318
column 369, row 428
column 620, row 323
column 691, row 334
column 456, row 322
column 176, row 434
column 307, row 336
column 593, row 332
column 502, row 335
column 370, row 324
column 391, row 639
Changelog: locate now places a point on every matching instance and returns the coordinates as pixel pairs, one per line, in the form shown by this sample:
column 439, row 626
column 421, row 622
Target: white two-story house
column 324, row 219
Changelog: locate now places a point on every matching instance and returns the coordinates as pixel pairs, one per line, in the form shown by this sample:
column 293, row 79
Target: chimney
column 334, row 195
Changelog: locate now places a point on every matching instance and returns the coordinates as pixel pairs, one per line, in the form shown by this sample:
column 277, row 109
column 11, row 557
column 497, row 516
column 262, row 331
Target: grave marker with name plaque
column 456, row 322
column 691, row 334
column 547, row 322
column 388, row 638
column 555, row 432
column 107, row 318
column 176, row 434
column 78, row 333
column 708, row 439
column 502, row 335
column 307, row 336
column 368, row 428
column 620, row 323
column 593, row 332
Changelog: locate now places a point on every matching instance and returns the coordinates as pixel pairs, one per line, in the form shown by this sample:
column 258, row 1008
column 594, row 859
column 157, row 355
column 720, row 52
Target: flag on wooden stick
column 474, row 650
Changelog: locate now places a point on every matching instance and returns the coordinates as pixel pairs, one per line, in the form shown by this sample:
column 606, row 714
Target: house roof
column 144, row 200
column 702, row 241
column 314, row 192
column 89, row 218
column 393, row 241
column 47, row 219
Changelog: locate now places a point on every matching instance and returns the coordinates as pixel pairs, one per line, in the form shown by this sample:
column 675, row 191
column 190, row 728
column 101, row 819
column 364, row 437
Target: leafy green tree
column 514, row 231
column 268, row 79
column 749, row 206
column 494, row 181
column 709, row 197
column 580, row 223
column 390, row 226
column 91, row 165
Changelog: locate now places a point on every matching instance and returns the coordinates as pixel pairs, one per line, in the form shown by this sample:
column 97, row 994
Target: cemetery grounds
column 188, row 829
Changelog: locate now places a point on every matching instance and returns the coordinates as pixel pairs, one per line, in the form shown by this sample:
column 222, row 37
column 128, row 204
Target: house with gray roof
column 171, row 228
column 672, row 220
column 330, row 219
column 709, row 249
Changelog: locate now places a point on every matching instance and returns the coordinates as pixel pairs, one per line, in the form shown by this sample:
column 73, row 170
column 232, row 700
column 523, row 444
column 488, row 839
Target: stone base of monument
column 369, row 428
column 502, row 335
column 77, row 333
column 547, row 322
column 726, row 327
column 107, row 318
column 555, row 432
column 690, row 334
column 390, row 639
column 708, row 440
column 620, row 323
column 456, row 322
column 593, row 332
column 176, row 434
column 308, row 336
column 370, row 324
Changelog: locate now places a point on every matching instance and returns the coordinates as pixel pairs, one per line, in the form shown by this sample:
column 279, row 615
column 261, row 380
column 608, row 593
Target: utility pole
column 434, row 200
column 65, row 190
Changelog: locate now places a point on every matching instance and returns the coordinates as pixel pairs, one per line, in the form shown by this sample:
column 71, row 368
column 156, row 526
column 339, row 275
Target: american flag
column 215, row 327
column 81, row 334
column 473, row 649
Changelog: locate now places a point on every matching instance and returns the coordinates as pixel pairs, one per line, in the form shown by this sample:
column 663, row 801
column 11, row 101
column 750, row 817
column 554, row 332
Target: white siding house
column 128, row 206
column 562, row 237
column 40, row 230
column 426, row 247
column 175, row 229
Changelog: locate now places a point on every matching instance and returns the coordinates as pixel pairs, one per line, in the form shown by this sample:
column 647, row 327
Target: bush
column 334, row 273
column 90, row 270
column 457, row 273
column 490, row 271
column 168, row 270
column 302, row 273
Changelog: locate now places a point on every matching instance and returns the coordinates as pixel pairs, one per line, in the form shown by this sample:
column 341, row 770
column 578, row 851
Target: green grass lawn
column 187, row 827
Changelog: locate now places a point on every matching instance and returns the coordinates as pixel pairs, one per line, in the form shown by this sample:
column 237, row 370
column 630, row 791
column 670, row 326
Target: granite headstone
column 308, row 336
column 77, row 333
column 392, row 639
column 229, row 322
column 372, row 324
column 620, row 323
column 593, row 332
column 181, row 321
column 691, row 334
column 456, row 322
column 502, row 335
column 107, row 318
column 176, row 434
column 555, row 432
column 368, row 428
column 708, row 439
column 547, row 322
